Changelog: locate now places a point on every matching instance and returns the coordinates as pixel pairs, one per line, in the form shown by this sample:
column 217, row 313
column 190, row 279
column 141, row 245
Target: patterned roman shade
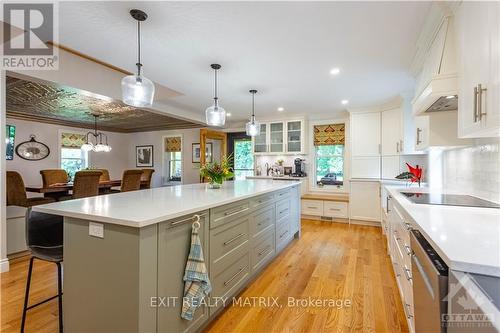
column 332, row 134
column 72, row 140
column 173, row 144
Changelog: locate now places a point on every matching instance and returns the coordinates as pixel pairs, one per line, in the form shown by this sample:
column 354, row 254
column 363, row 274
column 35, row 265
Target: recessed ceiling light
column 280, row 109
column 344, row 102
column 335, row 71
column 228, row 114
column 450, row 97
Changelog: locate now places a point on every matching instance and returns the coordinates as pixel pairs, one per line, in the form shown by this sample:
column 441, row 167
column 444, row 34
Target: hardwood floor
column 330, row 261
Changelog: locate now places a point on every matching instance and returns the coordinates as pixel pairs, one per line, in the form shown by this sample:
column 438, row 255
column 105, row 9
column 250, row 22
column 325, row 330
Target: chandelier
column 96, row 144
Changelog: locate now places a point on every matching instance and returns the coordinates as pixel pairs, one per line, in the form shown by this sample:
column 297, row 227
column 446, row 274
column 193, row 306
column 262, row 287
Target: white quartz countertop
column 145, row 207
column 277, row 177
column 467, row 238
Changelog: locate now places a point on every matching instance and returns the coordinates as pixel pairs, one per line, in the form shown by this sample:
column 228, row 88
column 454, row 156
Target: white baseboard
column 4, row 265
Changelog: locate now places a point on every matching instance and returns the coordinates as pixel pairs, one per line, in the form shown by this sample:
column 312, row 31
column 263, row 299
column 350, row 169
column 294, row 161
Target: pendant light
column 138, row 90
column 253, row 126
column 98, row 145
column 215, row 115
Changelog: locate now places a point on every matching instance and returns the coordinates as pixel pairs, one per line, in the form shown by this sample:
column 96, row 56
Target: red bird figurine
column 416, row 172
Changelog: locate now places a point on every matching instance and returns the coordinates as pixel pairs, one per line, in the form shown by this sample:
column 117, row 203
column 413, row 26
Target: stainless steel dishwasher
column 430, row 286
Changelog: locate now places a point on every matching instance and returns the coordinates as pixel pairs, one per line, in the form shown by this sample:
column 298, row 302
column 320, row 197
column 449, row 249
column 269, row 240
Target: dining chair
column 104, row 176
column 86, row 184
column 44, row 238
column 53, row 176
column 147, row 175
column 16, row 192
column 131, row 180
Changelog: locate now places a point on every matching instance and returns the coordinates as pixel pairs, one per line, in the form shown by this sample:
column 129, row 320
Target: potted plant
column 216, row 172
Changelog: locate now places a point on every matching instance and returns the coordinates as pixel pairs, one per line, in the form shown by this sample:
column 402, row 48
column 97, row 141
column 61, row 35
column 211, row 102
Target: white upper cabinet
column 365, row 131
column 277, row 137
column 280, row 137
column 478, row 35
column 392, row 142
column 294, row 136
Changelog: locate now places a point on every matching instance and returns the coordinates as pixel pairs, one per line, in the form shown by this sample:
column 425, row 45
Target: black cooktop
column 449, row 200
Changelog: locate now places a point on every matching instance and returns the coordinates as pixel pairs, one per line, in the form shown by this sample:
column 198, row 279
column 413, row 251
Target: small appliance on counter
column 299, row 169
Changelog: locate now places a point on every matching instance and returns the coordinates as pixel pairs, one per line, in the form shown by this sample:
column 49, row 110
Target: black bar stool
column 44, row 237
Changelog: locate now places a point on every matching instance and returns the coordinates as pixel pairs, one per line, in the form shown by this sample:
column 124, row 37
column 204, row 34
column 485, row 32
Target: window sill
column 342, row 189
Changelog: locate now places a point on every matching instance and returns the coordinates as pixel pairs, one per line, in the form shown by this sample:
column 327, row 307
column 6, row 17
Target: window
column 330, row 165
column 243, row 158
column 175, row 166
column 329, row 148
column 172, row 160
column 73, row 160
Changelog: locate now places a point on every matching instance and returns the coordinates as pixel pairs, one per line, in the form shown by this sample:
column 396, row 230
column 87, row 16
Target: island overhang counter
column 128, row 275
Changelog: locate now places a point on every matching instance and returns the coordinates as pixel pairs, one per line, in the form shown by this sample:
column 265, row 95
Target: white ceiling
column 285, row 50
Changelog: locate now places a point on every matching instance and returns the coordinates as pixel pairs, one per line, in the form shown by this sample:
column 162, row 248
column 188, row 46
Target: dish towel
column 196, row 281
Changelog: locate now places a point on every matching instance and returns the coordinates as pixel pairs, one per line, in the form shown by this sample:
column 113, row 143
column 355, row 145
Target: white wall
column 190, row 171
column 115, row 161
column 473, row 170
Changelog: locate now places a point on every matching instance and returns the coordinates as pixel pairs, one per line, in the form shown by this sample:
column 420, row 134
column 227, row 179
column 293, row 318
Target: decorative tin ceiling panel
column 56, row 104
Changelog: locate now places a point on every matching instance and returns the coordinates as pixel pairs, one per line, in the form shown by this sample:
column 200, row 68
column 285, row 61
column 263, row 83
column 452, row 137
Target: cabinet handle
column 397, row 147
column 480, row 91
column 335, row 209
column 408, row 250
column 263, row 251
column 235, row 211
column 282, row 211
column 408, row 226
column 189, row 219
column 283, row 234
column 312, row 207
column 418, row 136
column 407, row 274
column 408, row 314
column 233, row 239
column 387, row 203
column 234, row 276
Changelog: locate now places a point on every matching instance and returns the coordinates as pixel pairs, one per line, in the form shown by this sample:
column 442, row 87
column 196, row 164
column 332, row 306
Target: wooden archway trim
column 205, row 134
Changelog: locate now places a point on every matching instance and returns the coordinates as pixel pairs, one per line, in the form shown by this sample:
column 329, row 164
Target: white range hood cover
column 438, row 78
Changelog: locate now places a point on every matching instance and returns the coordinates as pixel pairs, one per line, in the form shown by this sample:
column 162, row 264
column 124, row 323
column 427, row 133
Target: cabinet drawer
column 227, row 281
column 282, row 209
column 282, row 233
column 282, row 194
column 224, row 214
column 262, row 221
column 225, row 239
column 312, row 207
column 261, row 200
column 263, row 251
column 335, row 209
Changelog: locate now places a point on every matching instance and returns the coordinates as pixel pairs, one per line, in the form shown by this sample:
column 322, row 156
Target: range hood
column 437, row 83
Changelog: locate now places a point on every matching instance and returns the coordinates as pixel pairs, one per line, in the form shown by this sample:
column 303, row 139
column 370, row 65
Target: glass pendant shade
column 215, row 115
column 87, row 147
column 253, row 128
column 137, row 91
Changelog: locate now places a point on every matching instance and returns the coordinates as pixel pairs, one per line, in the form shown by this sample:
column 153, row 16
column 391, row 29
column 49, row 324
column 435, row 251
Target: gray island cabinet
column 125, row 254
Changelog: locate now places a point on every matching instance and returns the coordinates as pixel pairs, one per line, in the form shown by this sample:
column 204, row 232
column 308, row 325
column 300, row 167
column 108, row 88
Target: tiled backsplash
column 474, row 170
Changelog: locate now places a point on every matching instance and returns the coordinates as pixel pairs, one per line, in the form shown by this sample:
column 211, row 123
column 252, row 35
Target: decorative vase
column 215, row 185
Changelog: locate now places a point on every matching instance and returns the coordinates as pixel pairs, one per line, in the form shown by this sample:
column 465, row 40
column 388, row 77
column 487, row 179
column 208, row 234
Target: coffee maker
column 299, row 169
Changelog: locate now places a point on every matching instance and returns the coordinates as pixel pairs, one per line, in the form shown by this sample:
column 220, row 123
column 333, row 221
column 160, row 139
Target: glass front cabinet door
column 260, row 141
column 276, row 131
column 294, row 136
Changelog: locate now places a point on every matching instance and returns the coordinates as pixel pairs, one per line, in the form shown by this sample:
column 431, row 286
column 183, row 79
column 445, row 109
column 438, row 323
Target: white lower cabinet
column 364, row 201
column 398, row 235
column 325, row 208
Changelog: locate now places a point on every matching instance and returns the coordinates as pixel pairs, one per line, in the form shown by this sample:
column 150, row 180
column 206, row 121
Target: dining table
column 104, row 186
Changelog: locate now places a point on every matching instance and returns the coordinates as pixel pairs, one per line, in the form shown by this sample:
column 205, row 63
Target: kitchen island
column 125, row 253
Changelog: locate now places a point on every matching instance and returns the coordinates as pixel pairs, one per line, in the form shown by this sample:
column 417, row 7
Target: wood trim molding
column 85, row 56
column 205, row 134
